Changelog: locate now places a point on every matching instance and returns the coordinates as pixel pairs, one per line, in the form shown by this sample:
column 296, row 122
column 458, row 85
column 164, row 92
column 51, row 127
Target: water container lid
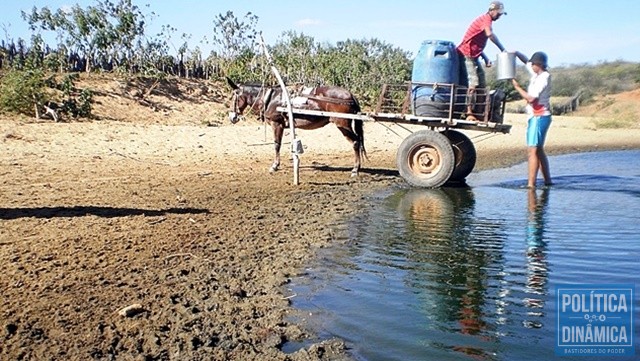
column 439, row 42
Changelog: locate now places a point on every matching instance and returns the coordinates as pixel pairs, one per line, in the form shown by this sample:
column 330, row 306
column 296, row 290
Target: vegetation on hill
column 585, row 82
column 111, row 37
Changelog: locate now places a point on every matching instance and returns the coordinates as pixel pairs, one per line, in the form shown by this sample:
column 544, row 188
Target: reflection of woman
column 535, row 225
column 537, row 270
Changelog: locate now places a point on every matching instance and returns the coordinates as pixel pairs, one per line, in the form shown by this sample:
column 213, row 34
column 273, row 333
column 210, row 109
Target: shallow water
column 470, row 272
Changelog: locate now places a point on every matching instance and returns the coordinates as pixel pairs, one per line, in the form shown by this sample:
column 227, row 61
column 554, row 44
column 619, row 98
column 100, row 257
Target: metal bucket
column 506, row 66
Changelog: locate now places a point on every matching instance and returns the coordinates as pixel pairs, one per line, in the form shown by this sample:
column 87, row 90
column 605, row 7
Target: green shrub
column 75, row 102
column 21, row 90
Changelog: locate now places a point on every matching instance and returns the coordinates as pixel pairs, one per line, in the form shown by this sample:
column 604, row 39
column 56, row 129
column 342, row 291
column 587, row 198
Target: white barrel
column 506, row 66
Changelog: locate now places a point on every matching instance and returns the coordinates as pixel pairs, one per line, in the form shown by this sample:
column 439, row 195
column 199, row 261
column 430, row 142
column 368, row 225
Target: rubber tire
column 465, row 155
column 425, row 159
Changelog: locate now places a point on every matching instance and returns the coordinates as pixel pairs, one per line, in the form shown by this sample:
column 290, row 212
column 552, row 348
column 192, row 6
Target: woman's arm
column 522, row 92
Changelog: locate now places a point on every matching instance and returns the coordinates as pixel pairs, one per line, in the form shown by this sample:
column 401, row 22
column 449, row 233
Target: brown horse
column 264, row 101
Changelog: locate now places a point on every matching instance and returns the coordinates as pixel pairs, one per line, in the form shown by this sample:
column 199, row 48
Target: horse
column 264, row 101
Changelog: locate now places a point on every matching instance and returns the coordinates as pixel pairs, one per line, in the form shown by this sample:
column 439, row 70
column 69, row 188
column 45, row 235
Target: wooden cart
column 440, row 153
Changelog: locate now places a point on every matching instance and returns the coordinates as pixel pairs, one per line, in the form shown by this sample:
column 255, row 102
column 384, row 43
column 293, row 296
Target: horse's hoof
column 354, row 174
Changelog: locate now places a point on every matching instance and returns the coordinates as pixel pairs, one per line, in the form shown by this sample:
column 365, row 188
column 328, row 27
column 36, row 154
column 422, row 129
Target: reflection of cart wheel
column 427, row 209
column 425, row 159
column 465, row 155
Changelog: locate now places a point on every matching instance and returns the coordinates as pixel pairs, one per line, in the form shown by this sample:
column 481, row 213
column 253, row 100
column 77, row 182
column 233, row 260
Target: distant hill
column 609, row 92
column 614, row 110
column 603, row 78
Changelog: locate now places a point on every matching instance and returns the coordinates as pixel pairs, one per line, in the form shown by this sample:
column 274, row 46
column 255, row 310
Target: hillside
column 183, row 101
column 171, row 101
column 614, row 110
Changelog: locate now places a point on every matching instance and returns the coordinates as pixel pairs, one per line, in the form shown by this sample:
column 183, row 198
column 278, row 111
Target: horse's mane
column 257, row 86
column 255, row 89
column 253, row 84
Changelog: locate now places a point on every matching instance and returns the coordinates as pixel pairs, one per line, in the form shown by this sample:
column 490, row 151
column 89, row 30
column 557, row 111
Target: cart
column 439, row 154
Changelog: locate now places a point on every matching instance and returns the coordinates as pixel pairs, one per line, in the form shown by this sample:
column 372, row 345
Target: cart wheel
column 465, row 155
column 425, row 159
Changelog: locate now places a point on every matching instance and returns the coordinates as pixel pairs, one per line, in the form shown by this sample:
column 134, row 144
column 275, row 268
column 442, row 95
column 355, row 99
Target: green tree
column 362, row 66
column 107, row 32
column 232, row 36
column 234, row 42
column 127, row 32
column 296, row 57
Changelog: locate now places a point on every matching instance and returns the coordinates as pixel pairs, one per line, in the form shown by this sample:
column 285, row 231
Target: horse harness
column 300, row 98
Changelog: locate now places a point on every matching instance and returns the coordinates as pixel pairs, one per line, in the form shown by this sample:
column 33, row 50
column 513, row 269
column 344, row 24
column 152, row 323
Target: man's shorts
column 474, row 72
column 537, row 128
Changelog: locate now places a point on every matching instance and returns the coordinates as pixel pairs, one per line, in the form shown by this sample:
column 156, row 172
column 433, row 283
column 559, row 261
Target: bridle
column 235, row 116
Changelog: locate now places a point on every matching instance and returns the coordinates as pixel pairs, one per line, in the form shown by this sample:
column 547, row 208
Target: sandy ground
column 183, row 224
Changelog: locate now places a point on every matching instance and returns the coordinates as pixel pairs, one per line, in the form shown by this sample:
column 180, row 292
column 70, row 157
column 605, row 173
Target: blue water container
column 436, row 63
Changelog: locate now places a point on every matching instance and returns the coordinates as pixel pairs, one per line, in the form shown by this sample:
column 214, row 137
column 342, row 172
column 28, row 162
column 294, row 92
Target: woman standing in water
column 538, row 96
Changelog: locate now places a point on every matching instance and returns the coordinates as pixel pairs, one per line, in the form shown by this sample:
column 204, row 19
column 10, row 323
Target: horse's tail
column 356, row 105
column 358, row 128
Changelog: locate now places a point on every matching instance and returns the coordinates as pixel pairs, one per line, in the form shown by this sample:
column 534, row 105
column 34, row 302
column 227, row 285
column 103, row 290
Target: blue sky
column 569, row 31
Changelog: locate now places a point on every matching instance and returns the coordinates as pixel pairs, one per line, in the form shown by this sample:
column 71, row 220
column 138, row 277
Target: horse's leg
column 278, row 131
column 345, row 128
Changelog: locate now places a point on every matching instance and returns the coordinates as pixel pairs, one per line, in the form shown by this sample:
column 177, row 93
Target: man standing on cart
column 471, row 49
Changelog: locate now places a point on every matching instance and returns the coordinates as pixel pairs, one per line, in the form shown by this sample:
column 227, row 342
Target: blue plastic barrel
column 436, row 63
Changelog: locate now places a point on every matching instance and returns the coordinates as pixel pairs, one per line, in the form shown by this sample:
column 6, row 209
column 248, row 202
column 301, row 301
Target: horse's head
column 248, row 96
column 238, row 102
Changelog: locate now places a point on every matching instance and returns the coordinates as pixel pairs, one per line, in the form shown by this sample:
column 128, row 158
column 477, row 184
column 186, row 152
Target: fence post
column 295, row 146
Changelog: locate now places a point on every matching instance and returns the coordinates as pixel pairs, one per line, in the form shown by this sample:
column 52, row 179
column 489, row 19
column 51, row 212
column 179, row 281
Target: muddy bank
column 182, row 224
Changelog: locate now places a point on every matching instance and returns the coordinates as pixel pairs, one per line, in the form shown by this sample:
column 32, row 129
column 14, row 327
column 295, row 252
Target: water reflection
column 432, row 264
column 455, row 260
column 461, row 273
column 537, row 264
